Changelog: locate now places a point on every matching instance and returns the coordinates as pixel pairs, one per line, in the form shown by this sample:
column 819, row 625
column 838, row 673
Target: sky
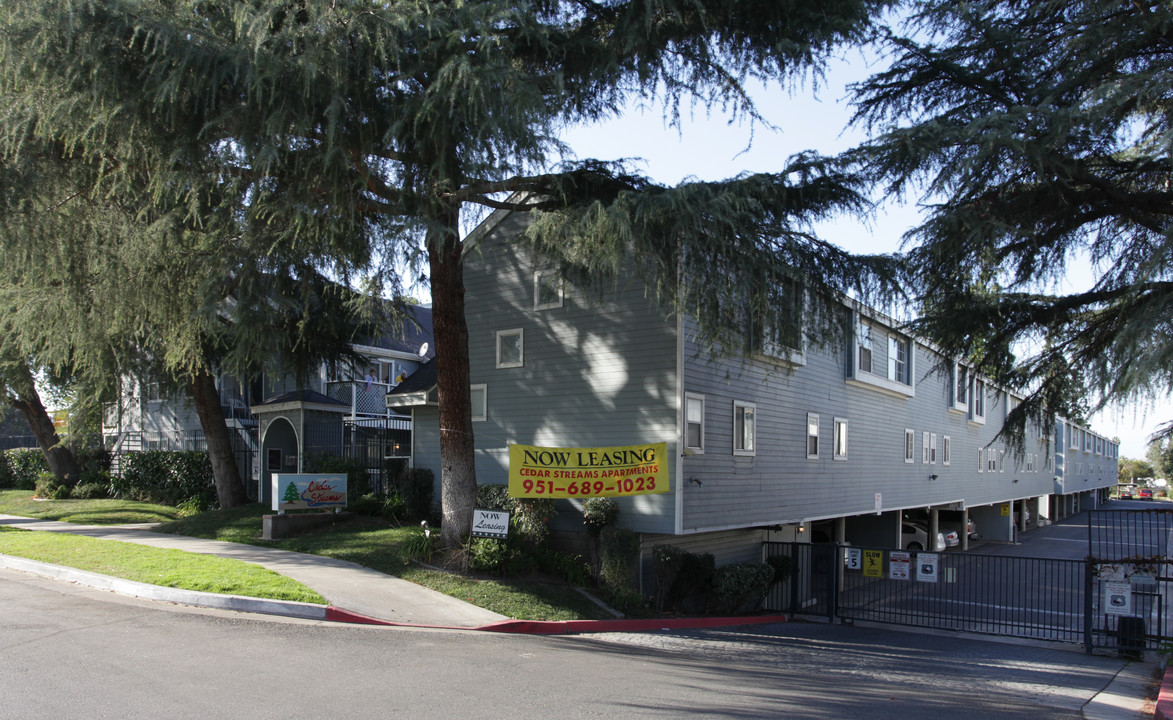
column 710, row 147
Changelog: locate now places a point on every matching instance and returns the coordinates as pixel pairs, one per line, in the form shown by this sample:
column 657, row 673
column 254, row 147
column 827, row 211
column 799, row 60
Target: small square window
column 909, row 445
column 510, row 348
column 840, row 449
column 812, row 436
column 743, row 428
column 547, row 290
column 694, row 423
column 480, row 402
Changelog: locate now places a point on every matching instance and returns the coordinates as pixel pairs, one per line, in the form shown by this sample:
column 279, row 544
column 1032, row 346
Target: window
column 480, row 402
column 981, row 460
column 743, row 428
column 898, row 360
column 933, row 449
column 991, row 460
column 865, row 347
column 1001, row 461
column 909, row 445
column 977, row 402
column 924, row 448
column 775, row 322
column 510, row 348
column 1030, row 462
column 152, row 392
column 547, row 290
column 840, row 452
column 694, row 423
column 1074, row 433
column 946, row 450
column 812, row 436
column 960, row 387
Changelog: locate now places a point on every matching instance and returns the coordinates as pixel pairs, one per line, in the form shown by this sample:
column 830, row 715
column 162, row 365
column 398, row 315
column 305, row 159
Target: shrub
column 357, row 480
column 419, row 546
column 669, row 561
column 46, row 486
column 167, row 477
column 620, row 556
column 191, row 506
column 369, row 504
column 531, row 519
column 569, row 566
column 598, row 513
column 740, row 586
column 488, row 554
column 690, row 591
column 416, row 488
column 91, row 491
column 23, row 465
column 394, row 509
column 494, row 497
column 782, row 565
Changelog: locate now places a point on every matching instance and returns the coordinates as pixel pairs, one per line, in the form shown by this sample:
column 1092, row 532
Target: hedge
column 167, row 477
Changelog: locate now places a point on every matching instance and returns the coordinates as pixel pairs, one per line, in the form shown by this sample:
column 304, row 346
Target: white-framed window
column 924, row 448
column 909, row 445
column 991, row 460
column 744, row 428
column 1073, row 432
column 932, row 448
column 981, row 460
column 899, row 360
column 1002, row 461
column 946, row 450
column 812, row 436
column 1030, row 462
column 977, row 402
column 479, row 395
column 152, row 393
column 840, row 448
column 511, row 348
column 961, row 383
column 694, row 423
column 864, row 353
column 775, row 323
column 547, row 290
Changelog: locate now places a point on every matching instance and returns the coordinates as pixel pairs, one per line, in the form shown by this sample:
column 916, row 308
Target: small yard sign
column 300, row 491
column 490, row 523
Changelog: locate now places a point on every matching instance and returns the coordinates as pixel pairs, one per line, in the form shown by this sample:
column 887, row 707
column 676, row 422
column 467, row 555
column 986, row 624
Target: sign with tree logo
column 301, row 491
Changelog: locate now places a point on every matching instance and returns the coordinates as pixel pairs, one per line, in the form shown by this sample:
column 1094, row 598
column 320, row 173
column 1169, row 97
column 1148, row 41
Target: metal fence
column 1116, row 598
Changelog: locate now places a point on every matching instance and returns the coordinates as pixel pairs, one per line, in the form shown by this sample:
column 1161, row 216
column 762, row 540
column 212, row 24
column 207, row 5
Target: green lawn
column 85, row 512
column 370, row 542
column 157, row 566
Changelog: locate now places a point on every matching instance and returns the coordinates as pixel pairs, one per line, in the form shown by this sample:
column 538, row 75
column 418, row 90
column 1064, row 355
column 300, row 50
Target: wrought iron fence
column 1115, row 598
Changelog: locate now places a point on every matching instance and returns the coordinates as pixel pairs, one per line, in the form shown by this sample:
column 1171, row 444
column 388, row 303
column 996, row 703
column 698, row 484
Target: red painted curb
column 566, row 627
column 336, row 614
column 569, row 627
column 1164, row 710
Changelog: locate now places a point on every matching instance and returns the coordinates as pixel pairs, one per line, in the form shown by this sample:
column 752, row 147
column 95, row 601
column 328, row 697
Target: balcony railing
column 364, row 399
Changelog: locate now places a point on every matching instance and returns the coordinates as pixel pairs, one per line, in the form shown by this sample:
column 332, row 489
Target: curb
column 1164, row 709
column 196, row 598
column 331, row 613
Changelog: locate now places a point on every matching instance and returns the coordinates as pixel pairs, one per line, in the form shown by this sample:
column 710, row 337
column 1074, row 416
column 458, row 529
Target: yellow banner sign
column 545, row 472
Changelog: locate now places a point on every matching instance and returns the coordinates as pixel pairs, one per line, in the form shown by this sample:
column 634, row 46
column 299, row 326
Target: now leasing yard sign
column 301, row 491
column 490, row 523
column 548, row 472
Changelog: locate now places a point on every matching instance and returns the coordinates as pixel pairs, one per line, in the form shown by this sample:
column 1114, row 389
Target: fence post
column 1088, row 603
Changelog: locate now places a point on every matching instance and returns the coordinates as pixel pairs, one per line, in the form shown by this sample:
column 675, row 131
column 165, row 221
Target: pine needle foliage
column 1040, row 133
column 353, row 134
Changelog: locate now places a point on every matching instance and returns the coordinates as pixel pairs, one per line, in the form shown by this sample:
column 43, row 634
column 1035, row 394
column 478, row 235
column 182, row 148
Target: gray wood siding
column 780, row 485
column 596, row 373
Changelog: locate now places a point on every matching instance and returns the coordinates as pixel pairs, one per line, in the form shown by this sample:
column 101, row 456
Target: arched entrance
column 279, row 454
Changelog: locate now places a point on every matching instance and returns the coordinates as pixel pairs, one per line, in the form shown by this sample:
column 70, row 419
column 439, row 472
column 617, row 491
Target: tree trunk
column 60, row 458
column 458, row 480
column 229, row 488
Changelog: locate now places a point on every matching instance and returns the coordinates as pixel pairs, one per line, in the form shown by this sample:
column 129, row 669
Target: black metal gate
column 1115, row 598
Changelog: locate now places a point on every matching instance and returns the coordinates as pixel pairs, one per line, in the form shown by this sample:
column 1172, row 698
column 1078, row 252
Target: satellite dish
column 423, row 349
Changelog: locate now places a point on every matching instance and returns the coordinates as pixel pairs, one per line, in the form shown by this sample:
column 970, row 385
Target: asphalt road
column 71, row 652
